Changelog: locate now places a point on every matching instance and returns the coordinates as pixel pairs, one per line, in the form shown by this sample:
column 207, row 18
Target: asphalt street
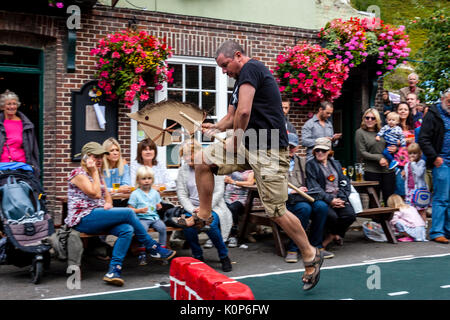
column 252, row 259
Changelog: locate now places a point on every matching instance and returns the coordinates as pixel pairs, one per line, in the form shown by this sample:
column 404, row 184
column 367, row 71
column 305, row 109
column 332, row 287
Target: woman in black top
column 324, row 175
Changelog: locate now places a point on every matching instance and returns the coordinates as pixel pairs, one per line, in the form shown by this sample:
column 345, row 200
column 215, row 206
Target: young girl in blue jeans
column 145, row 201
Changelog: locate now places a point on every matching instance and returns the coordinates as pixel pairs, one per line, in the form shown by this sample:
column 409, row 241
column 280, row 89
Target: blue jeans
column 191, row 235
column 120, row 222
column 317, row 212
column 389, row 156
column 159, row 226
column 440, row 218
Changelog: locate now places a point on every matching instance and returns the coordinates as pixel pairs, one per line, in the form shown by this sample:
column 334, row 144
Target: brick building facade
column 189, row 36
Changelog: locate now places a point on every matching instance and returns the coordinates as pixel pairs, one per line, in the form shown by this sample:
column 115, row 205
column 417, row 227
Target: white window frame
column 161, row 95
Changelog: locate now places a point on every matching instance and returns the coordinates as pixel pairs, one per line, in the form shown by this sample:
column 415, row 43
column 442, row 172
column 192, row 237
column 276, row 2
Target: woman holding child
column 370, row 152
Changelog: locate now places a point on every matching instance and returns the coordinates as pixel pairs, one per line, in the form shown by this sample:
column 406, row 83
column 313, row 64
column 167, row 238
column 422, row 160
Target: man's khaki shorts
column 270, row 168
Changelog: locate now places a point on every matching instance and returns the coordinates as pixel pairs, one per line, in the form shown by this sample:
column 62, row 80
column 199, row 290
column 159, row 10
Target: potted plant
column 310, row 73
column 355, row 40
column 128, row 62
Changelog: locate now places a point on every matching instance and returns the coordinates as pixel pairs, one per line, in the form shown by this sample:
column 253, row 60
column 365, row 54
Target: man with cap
column 324, row 175
column 302, row 209
column 90, row 211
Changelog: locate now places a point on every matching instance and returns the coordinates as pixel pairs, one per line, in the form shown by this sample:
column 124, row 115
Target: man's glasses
column 320, row 150
column 370, row 118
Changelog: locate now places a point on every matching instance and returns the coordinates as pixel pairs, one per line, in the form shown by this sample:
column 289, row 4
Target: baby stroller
column 23, row 220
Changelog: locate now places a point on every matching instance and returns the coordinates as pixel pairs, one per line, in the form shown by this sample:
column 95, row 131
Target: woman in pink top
column 17, row 138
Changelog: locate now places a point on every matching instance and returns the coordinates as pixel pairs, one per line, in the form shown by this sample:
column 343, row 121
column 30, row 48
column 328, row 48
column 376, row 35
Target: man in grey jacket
column 319, row 126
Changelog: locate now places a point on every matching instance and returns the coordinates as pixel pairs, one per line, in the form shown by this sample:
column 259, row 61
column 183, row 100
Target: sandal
column 199, row 223
column 311, row 280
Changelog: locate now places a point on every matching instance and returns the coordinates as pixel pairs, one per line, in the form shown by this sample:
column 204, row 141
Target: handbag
column 421, row 197
column 17, row 204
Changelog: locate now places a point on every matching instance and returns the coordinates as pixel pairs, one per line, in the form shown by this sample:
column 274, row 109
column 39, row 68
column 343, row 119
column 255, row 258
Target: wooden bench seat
column 169, row 230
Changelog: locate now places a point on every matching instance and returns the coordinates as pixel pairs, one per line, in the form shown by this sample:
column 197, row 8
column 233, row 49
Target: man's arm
column 227, row 121
column 307, row 137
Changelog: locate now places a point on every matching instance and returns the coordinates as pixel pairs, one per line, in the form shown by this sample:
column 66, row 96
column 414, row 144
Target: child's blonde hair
column 144, row 171
column 395, row 201
column 415, row 148
column 393, row 115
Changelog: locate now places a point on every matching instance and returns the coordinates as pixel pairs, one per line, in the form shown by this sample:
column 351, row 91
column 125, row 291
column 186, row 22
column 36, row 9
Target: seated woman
column 325, row 175
column 116, row 170
column 235, row 197
column 188, row 198
column 90, row 211
column 147, row 153
column 17, row 136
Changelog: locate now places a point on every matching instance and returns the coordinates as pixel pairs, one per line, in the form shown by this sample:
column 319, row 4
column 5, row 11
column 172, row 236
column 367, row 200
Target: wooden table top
column 365, row 183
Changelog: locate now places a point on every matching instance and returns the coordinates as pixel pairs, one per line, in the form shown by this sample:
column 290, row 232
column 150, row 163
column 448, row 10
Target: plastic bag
column 355, row 200
column 373, row 231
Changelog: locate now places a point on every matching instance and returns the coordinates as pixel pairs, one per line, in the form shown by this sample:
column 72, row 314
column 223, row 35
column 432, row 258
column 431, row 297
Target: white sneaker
column 232, row 242
column 208, row 244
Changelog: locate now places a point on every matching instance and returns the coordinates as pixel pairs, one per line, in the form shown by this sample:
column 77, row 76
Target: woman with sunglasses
column 324, row 175
column 370, row 152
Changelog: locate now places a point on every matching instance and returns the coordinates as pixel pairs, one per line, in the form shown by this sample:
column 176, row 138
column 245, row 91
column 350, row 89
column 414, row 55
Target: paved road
column 258, row 258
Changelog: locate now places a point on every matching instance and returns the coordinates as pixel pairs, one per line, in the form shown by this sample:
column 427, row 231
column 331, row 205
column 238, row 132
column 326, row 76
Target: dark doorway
column 26, row 86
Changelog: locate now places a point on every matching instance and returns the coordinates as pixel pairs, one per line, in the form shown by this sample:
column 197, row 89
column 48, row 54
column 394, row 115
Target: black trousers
column 237, row 209
column 387, row 183
column 339, row 219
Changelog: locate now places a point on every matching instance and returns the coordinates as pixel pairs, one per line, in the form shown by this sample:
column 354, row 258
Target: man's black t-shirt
column 266, row 109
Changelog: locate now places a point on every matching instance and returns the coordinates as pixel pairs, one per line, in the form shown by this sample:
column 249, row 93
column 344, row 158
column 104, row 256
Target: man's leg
column 294, row 230
column 439, row 216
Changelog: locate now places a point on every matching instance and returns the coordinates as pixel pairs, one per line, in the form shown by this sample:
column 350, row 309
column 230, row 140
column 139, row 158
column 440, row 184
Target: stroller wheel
column 37, row 269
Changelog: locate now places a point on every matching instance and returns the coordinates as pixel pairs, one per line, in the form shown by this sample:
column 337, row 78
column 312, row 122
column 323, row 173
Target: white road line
column 446, row 286
column 398, row 293
column 390, row 259
column 257, row 275
column 108, row 292
column 339, row 266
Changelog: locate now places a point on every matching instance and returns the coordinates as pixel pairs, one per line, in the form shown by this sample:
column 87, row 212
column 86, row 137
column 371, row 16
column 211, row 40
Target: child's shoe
column 142, row 259
column 158, row 252
column 393, row 164
column 113, row 276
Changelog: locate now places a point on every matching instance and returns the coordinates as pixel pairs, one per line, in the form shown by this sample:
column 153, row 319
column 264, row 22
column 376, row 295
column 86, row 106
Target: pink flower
column 139, row 69
column 115, row 55
column 379, row 61
column 60, row 5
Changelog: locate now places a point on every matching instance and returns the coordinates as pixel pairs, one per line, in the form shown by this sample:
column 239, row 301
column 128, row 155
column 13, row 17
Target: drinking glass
column 116, row 183
column 350, row 171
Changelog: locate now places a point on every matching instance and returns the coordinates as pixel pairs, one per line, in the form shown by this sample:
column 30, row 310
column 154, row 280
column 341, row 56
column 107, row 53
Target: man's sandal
column 199, row 223
column 310, row 280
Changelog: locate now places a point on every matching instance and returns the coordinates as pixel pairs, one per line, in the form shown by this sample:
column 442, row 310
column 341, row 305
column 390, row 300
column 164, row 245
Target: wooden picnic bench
column 257, row 216
column 84, row 236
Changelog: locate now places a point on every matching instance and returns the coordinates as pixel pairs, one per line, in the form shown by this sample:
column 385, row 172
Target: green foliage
column 429, row 40
column 435, row 71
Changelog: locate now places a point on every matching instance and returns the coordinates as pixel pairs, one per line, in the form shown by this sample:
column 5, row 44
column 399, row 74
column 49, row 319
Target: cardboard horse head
column 151, row 119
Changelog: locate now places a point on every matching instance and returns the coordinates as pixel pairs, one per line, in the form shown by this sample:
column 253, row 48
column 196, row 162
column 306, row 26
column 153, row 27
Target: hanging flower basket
column 309, row 73
column 355, row 40
column 129, row 62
